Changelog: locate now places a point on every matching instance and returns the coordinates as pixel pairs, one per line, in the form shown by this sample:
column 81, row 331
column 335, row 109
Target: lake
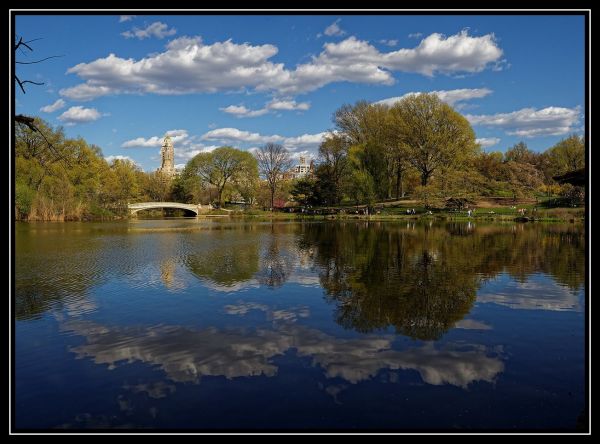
column 212, row 324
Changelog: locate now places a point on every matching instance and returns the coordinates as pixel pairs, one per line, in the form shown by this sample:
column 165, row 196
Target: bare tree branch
column 21, row 83
column 29, row 122
column 25, row 44
column 21, row 42
column 38, row 61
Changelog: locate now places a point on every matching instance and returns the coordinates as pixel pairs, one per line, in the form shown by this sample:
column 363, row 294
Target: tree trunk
column 424, row 178
column 399, row 190
column 272, row 198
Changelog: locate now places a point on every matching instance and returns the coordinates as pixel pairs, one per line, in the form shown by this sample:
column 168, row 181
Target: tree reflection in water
column 419, row 279
column 422, row 280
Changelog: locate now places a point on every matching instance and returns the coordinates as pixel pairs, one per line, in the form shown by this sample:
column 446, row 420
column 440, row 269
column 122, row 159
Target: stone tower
column 167, row 155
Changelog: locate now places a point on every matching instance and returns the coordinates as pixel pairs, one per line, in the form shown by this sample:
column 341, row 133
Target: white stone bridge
column 197, row 209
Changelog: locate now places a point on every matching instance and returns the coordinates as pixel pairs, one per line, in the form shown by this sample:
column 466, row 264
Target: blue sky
column 123, row 82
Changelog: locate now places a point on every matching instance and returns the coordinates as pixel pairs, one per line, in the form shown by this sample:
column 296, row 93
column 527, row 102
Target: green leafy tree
column 521, row 154
column 220, row 167
column 304, row 191
column 567, row 155
column 432, row 134
column 372, row 127
column 246, row 180
column 334, row 166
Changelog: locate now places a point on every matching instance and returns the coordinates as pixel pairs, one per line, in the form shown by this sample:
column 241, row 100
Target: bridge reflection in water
column 196, row 209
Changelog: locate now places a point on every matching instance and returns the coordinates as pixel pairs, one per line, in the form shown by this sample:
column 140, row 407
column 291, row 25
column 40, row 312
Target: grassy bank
column 397, row 213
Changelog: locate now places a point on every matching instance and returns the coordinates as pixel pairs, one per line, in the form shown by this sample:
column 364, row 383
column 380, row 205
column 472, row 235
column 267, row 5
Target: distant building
column 303, row 169
column 167, row 156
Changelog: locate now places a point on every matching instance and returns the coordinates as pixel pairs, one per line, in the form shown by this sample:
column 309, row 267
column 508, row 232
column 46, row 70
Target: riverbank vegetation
column 379, row 160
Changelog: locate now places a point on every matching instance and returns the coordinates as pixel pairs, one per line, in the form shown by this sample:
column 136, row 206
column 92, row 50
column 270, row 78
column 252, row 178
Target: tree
column 521, row 154
column 521, row 178
column 567, row 155
column 122, row 184
column 432, row 134
column 156, row 187
column 246, row 181
column 361, row 186
column 21, row 119
column 370, row 127
column 303, row 191
column 361, row 122
column 273, row 161
column 220, row 167
column 334, row 166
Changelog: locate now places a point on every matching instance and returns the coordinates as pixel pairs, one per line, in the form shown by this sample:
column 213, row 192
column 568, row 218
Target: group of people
column 410, row 211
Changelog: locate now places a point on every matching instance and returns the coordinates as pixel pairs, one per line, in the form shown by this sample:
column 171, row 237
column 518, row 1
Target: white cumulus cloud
column 488, row 141
column 79, row 114
column 304, row 141
column 274, row 105
column 60, row 103
column 125, row 18
column 288, row 105
column 531, row 122
column 389, row 42
column 242, row 111
column 451, row 97
column 177, row 136
column 109, row 159
column 157, row 29
column 234, row 134
column 190, row 66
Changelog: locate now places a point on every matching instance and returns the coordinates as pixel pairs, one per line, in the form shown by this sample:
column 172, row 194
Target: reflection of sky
column 472, row 324
column 150, row 312
column 300, row 277
column 187, row 355
column 538, row 292
column 289, row 315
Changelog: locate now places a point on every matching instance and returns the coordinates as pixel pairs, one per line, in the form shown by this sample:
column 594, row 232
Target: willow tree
column 432, row 134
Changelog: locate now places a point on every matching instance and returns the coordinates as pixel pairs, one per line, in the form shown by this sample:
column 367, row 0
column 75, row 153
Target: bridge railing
column 140, row 206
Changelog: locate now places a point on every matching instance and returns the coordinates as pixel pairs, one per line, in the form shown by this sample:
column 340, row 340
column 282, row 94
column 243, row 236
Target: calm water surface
column 353, row 325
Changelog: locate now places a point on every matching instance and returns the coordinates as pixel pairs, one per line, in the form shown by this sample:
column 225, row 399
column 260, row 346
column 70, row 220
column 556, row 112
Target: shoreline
column 437, row 217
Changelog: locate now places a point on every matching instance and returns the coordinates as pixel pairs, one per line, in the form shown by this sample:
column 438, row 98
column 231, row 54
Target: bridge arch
column 140, row 206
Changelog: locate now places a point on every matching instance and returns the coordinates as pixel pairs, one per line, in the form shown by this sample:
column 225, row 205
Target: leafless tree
column 20, row 118
column 273, row 161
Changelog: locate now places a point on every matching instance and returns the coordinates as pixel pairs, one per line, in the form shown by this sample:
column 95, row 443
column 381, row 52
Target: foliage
column 333, row 170
column 567, row 155
column 420, row 146
column 519, row 153
column 222, row 166
column 362, row 187
column 429, row 196
column 574, row 196
column 304, row 191
column 432, row 134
